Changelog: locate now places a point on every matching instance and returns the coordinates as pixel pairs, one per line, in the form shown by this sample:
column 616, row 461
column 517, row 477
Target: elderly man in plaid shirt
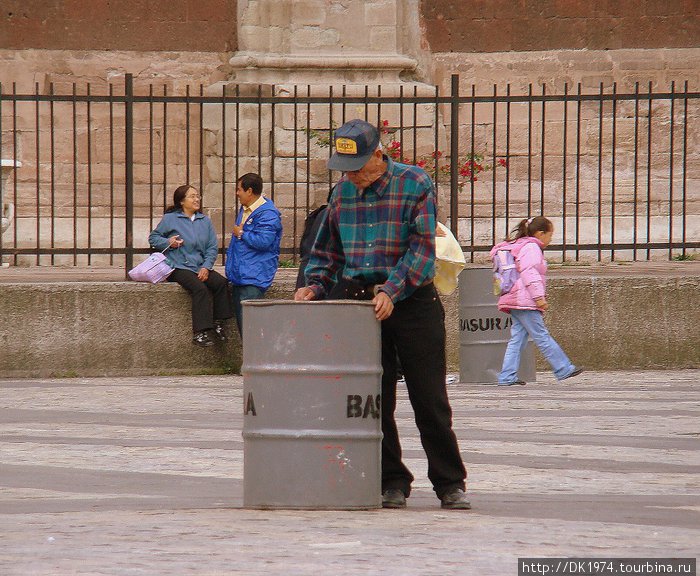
column 379, row 229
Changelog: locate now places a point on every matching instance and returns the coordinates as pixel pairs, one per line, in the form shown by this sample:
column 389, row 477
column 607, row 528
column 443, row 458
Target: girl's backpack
column 505, row 271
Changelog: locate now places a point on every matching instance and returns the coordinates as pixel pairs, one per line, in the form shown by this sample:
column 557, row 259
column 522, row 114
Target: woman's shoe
column 220, row 330
column 202, row 339
column 516, row 383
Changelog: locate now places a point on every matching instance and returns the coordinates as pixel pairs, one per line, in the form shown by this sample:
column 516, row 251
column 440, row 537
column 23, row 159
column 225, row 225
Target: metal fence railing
column 616, row 172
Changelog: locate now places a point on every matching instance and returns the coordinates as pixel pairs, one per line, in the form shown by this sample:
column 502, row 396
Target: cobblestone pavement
column 143, row 476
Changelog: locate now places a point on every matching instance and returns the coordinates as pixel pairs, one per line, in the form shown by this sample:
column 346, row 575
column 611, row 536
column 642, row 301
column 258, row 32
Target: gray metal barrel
column 312, row 405
column 485, row 331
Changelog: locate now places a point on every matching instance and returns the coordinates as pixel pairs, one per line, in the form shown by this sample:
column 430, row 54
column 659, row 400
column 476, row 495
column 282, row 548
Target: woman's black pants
column 210, row 299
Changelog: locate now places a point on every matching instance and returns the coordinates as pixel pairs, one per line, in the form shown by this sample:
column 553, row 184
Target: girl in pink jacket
column 527, row 300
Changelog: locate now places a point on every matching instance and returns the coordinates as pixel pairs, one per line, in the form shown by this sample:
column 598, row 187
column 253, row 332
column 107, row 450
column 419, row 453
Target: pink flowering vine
column 469, row 167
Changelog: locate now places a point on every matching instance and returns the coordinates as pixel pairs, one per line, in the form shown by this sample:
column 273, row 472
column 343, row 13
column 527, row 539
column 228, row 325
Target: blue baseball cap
column 353, row 144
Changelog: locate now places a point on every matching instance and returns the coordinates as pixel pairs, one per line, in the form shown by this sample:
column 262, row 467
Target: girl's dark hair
column 528, row 227
column 252, row 180
column 178, row 197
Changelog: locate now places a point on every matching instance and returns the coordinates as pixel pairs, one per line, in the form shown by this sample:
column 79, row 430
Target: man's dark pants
column 416, row 332
column 240, row 294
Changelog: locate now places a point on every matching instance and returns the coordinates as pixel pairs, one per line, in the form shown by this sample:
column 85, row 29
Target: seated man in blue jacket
column 254, row 250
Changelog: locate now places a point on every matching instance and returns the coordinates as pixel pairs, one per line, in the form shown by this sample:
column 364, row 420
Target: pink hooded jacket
column 532, row 267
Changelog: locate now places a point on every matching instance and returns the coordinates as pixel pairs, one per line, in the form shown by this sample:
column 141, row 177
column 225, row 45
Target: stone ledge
column 621, row 320
column 323, row 61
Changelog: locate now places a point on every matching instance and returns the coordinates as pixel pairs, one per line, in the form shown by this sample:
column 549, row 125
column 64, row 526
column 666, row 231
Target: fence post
column 129, row 171
column 454, row 153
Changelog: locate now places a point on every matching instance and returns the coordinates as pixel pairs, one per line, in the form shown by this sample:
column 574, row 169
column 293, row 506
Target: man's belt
column 356, row 291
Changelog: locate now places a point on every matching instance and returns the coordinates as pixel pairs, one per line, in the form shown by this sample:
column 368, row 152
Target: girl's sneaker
column 516, row 383
column 576, row 372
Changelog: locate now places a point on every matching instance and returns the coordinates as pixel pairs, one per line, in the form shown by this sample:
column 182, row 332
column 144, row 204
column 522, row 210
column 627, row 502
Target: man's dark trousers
column 416, row 332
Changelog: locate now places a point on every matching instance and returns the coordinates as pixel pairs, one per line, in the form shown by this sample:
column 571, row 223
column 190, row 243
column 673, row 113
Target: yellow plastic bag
column 449, row 261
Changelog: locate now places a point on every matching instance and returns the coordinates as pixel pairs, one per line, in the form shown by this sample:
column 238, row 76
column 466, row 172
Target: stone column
column 327, row 42
column 308, row 48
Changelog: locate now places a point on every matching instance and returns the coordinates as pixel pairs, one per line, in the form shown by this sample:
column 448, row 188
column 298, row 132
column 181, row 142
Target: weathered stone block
column 311, row 38
column 381, row 13
column 382, row 39
column 256, row 38
column 309, row 12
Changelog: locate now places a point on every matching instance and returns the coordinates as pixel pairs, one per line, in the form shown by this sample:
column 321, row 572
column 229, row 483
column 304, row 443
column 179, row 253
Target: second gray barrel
column 312, row 405
column 485, row 331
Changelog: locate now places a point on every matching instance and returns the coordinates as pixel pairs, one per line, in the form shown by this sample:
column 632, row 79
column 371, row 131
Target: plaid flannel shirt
column 384, row 235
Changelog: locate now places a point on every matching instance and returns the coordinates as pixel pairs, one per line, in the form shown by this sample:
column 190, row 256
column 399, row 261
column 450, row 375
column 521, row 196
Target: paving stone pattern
column 143, row 476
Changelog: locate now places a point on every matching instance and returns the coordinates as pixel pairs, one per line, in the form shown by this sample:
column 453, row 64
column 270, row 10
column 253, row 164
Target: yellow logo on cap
column 345, row 146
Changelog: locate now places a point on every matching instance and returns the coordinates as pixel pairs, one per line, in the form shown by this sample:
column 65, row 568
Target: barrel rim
column 265, row 302
column 312, row 369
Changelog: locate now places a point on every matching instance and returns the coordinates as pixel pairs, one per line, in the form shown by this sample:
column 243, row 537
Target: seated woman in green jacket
column 193, row 250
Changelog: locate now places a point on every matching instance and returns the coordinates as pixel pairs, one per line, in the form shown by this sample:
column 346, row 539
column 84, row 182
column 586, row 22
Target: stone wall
column 590, row 68
column 305, row 44
column 635, row 168
column 73, row 155
column 134, row 25
column 471, row 26
column 30, row 70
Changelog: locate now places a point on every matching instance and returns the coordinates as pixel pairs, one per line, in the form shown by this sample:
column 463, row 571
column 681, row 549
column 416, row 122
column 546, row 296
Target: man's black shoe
column 455, row 499
column 393, row 498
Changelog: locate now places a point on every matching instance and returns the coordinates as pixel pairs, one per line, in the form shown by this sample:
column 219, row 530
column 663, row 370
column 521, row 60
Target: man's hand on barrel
column 383, row 306
column 304, row 293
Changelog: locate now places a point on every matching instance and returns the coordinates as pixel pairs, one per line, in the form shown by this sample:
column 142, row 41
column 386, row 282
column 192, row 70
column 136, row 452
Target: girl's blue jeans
column 530, row 323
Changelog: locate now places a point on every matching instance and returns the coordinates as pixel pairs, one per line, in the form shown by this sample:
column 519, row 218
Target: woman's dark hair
column 179, row 197
column 528, row 227
column 251, row 180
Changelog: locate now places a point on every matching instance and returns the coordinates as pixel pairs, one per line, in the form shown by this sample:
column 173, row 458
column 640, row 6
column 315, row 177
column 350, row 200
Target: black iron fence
column 618, row 173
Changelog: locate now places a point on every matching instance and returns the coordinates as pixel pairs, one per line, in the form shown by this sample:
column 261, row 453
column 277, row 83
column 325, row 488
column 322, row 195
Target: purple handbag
column 153, row 269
